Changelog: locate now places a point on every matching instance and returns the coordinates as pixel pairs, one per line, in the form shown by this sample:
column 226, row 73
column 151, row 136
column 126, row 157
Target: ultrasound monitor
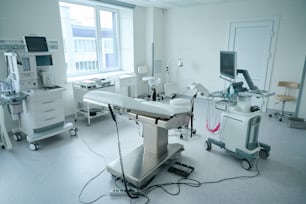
column 228, row 65
column 36, row 44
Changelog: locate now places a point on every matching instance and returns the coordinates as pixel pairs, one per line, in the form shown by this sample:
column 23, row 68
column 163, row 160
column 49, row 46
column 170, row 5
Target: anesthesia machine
column 42, row 114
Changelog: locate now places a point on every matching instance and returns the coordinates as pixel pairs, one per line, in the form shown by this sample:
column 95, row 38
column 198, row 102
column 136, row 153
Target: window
column 90, row 34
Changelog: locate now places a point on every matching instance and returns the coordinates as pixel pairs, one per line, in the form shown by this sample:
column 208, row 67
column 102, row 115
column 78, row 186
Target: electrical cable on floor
column 86, row 184
column 144, row 193
column 192, row 183
column 93, row 178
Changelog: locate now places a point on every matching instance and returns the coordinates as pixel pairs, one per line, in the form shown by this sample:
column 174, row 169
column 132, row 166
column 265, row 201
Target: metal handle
column 50, row 118
column 47, row 102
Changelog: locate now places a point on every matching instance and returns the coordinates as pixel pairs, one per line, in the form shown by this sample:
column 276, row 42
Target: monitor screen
column 44, row 60
column 228, row 65
column 36, row 44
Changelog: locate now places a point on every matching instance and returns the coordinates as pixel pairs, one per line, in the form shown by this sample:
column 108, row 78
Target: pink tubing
column 214, row 129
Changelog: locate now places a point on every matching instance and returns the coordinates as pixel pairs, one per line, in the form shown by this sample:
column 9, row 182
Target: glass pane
column 109, row 39
column 79, row 33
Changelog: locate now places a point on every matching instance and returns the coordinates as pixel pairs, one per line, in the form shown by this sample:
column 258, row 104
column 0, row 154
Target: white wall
column 19, row 18
column 148, row 29
column 195, row 34
column 140, row 51
column 198, row 33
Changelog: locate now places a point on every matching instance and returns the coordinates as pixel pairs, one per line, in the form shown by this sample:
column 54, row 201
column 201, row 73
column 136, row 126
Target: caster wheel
column 33, row 147
column 280, row 119
column 73, row 132
column 17, row 137
column 263, row 154
column 2, row 146
column 194, row 132
column 270, row 115
column 246, row 164
column 208, row 146
column 75, row 120
column 181, row 136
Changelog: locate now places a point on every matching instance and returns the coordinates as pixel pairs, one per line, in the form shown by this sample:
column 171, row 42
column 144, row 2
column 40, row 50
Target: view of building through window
column 90, row 37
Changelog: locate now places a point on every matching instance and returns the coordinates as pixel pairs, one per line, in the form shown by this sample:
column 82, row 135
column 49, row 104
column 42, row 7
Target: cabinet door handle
column 46, row 102
column 49, row 118
column 50, row 110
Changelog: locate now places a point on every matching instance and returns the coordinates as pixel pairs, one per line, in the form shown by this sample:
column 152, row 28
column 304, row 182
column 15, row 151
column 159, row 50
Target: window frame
column 98, row 40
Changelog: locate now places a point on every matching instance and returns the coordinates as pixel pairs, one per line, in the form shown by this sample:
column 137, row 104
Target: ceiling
column 173, row 3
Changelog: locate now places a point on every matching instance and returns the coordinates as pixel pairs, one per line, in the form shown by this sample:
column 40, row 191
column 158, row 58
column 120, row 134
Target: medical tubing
column 212, row 130
column 120, row 154
column 112, row 113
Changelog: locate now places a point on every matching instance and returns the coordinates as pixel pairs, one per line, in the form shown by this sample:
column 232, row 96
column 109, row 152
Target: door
column 254, row 42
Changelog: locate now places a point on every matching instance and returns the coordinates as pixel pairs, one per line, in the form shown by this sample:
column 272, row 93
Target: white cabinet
column 44, row 110
column 43, row 114
column 123, row 84
column 126, row 85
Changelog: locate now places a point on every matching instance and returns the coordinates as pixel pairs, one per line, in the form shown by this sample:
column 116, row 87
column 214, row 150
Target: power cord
column 93, row 178
column 136, row 195
column 131, row 195
column 191, row 183
column 87, row 183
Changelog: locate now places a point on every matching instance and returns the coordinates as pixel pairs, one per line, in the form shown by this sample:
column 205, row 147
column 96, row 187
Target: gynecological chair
column 143, row 163
column 152, row 81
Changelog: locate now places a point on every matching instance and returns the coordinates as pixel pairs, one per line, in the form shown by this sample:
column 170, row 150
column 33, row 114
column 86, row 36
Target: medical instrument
column 9, row 98
column 43, row 110
column 143, row 163
column 240, row 122
column 228, row 65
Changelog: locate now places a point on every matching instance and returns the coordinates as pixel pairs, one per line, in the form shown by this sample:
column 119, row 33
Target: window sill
column 98, row 76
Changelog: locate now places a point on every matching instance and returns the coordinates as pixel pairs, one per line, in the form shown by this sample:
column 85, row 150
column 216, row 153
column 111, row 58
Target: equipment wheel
column 17, row 137
column 208, row 145
column 280, row 119
column 33, row 146
column 263, row 154
column 246, row 164
column 270, row 115
column 194, row 131
column 73, row 131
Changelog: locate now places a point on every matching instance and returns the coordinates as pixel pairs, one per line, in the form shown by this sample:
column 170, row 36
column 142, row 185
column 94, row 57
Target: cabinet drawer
column 46, row 121
column 45, row 96
column 42, row 115
column 45, row 105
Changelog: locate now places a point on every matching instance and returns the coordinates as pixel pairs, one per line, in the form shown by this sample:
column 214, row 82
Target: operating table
column 143, row 163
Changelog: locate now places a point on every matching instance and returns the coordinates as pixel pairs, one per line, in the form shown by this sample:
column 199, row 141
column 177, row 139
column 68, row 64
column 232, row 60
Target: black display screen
column 36, row 44
column 44, row 60
column 228, row 65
